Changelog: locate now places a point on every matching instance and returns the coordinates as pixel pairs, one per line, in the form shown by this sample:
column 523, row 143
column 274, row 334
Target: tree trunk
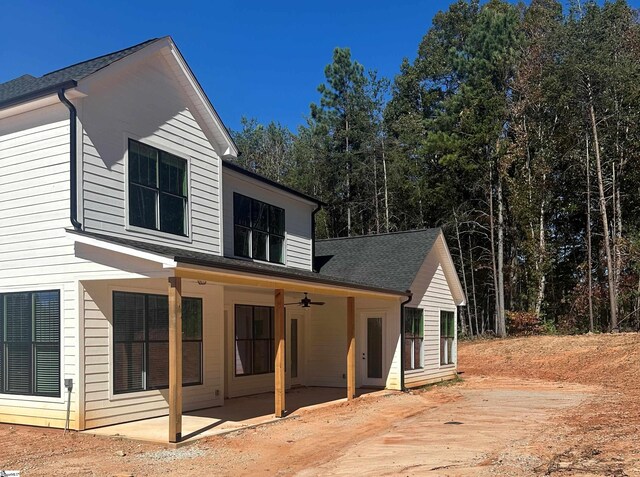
column 348, row 177
column 464, row 312
column 542, row 276
column 605, row 222
column 473, row 290
column 589, row 263
column 502, row 329
column 375, row 193
column 386, row 188
column 493, row 252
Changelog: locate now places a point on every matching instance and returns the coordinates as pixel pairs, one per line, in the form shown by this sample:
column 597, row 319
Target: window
column 413, row 338
column 141, row 342
column 157, row 189
column 30, row 343
column 255, row 349
column 447, row 336
column 258, row 229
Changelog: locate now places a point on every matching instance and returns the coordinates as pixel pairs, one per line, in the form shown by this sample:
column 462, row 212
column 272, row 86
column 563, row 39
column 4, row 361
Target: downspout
column 313, row 237
column 409, row 298
column 73, row 157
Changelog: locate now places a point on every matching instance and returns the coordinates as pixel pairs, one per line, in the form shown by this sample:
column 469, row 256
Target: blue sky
column 261, row 59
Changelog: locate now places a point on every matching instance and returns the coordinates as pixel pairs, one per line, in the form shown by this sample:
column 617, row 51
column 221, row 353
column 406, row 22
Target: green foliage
column 494, row 109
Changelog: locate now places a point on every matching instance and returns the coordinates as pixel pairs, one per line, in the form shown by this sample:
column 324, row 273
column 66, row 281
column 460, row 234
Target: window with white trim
column 30, row 343
column 258, row 229
column 157, row 189
column 447, row 337
column 413, row 338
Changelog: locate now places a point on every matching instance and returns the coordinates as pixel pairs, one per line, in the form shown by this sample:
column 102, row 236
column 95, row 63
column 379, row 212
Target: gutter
column 409, row 298
column 313, row 237
column 324, row 280
column 40, row 93
column 73, row 157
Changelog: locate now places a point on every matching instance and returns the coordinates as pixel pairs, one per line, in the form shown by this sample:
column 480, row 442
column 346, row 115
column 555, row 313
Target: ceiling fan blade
column 294, row 303
column 316, row 303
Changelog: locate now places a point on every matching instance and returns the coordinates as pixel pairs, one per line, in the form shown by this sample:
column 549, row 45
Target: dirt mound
column 608, row 360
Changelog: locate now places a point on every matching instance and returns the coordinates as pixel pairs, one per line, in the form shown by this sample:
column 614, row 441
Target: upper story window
column 258, row 229
column 157, row 189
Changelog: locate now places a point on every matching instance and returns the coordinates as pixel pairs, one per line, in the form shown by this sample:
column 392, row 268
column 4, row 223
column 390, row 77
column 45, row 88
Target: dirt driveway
column 479, row 427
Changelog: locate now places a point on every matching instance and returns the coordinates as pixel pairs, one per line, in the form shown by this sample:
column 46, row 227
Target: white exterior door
column 371, row 350
column 295, row 351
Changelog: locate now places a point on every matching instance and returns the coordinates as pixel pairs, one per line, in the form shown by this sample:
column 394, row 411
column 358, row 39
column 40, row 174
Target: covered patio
column 236, row 414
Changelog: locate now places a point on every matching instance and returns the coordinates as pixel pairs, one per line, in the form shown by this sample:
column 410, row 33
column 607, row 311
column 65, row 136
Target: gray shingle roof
column 27, row 85
column 234, row 264
column 385, row 260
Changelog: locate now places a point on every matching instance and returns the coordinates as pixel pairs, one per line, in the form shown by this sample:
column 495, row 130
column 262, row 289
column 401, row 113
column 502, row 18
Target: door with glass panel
column 371, row 349
column 295, row 351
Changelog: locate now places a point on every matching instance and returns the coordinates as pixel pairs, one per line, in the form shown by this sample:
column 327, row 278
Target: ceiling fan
column 306, row 302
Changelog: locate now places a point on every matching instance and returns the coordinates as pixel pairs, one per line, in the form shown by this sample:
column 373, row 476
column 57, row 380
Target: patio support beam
column 175, row 359
column 351, row 348
column 280, row 347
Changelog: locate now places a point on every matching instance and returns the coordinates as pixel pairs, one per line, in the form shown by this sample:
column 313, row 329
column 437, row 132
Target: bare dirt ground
column 531, row 406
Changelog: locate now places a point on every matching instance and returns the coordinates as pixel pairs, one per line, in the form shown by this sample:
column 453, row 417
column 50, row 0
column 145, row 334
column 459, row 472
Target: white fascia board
column 451, row 273
column 163, row 260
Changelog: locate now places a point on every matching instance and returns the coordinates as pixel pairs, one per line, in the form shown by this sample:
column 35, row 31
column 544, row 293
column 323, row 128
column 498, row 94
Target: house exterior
column 145, row 274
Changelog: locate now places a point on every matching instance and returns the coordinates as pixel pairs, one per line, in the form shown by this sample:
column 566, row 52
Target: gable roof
column 27, row 87
column 385, row 260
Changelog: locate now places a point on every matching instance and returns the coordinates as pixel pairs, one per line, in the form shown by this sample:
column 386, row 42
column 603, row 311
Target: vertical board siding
column 104, row 408
column 436, row 297
column 146, row 104
column 298, row 231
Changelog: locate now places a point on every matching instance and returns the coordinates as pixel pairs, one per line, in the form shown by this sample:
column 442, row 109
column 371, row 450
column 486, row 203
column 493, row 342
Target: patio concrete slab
column 236, row 414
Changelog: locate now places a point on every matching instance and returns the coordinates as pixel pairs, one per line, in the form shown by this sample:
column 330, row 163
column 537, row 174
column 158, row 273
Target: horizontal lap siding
column 146, row 105
column 437, row 297
column 104, row 408
column 34, row 199
column 298, row 242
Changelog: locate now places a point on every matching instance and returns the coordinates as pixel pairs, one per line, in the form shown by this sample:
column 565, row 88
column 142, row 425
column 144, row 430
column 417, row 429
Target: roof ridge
column 426, row 229
column 152, row 40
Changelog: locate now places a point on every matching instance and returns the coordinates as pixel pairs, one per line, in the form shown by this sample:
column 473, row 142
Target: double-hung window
column 141, row 341
column 30, row 343
column 157, row 189
column 254, row 343
column 413, row 338
column 258, row 229
column 447, row 337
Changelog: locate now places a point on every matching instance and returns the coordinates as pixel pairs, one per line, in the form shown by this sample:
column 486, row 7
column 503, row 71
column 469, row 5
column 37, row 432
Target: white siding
column 437, row 297
column 102, row 406
column 145, row 103
column 34, row 205
column 297, row 216
column 326, row 341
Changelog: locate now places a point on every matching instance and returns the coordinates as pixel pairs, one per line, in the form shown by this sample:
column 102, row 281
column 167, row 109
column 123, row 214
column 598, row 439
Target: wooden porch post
column 279, row 344
column 351, row 348
column 175, row 359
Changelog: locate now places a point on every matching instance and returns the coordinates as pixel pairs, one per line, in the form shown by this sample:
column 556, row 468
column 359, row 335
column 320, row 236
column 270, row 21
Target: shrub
column 524, row 323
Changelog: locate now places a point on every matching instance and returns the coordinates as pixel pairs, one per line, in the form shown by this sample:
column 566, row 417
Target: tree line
column 516, row 130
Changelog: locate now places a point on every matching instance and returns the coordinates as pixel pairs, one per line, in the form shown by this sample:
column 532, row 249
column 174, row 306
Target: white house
column 145, row 272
